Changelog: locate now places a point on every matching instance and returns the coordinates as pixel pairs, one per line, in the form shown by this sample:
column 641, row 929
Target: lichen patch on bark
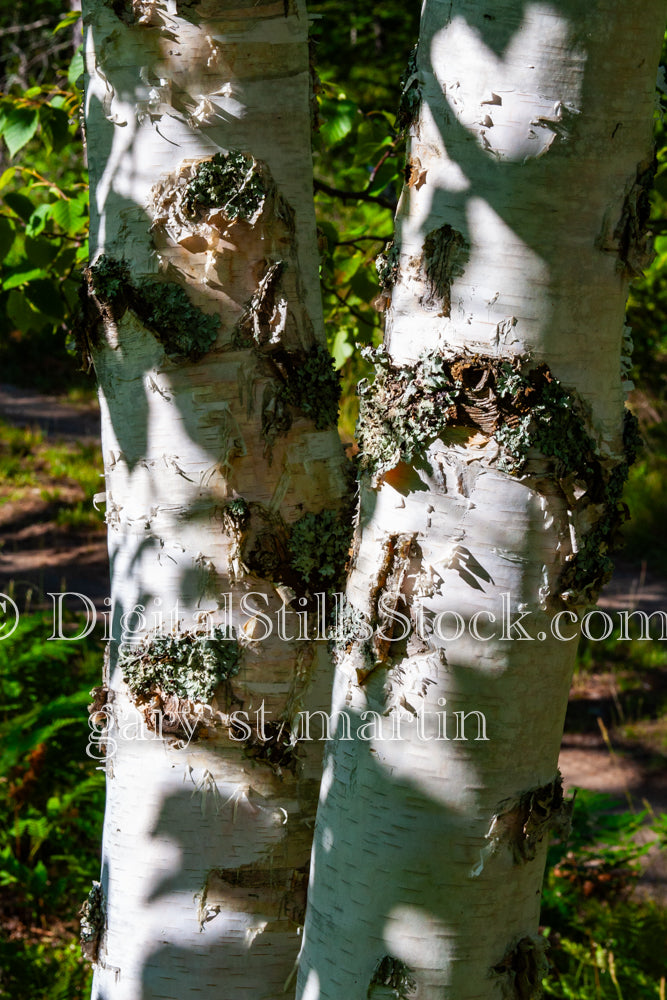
column 530, row 415
column 164, row 307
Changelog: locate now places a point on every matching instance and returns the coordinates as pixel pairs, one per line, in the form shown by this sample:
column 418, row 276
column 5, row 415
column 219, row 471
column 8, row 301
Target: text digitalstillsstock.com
column 327, row 618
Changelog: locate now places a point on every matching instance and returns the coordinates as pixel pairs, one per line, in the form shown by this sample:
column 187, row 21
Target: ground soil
column 36, row 556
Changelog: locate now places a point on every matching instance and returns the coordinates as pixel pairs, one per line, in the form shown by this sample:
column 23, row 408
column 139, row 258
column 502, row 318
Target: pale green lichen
column 183, row 328
column 231, row 182
column 318, row 548
column 554, row 424
column 164, row 306
column 189, row 664
column 349, row 627
column 403, row 410
column 528, row 412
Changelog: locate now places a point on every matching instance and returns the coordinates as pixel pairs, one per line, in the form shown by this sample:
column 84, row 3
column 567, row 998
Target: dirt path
column 37, row 557
column 58, row 419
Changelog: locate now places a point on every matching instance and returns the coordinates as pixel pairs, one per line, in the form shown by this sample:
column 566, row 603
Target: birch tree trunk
column 224, row 475
column 494, row 452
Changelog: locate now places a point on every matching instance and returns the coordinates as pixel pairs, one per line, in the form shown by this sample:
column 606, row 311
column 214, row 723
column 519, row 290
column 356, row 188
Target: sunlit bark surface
column 518, row 227
column 206, row 840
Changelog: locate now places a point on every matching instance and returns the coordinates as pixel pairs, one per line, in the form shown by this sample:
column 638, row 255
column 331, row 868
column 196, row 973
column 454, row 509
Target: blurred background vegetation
column 607, row 941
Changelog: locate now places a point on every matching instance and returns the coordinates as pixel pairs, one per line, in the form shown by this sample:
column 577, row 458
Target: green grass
column 67, row 474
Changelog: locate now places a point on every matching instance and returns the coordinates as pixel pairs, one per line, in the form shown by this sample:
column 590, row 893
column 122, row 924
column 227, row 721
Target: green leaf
column 70, row 214
column 19, row 127
column 55, row 127
column 341, row 348
column 22, row 314
column 22, row 733
column 386, row 175
column 363, row 286
column 38, row 219
column 19, row 278
column 41, row 251
column 76, row 68
column 330, row 231
column 339, row 119
column 67, row 22
column 20, row 204
column 7, row 176
column 7, row 232
column 82, row 254
column 43, row 294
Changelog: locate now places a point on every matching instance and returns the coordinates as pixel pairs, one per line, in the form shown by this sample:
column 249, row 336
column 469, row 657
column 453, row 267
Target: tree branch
column 354, row 195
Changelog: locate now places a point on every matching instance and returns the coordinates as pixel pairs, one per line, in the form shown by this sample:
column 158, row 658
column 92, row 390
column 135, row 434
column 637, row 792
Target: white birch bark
column 516, row 232
column 205, row 846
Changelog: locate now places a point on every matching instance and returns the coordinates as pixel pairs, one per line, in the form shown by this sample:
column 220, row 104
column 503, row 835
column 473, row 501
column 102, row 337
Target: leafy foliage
column 604, row 941
column 43, row 217
column 51, row 803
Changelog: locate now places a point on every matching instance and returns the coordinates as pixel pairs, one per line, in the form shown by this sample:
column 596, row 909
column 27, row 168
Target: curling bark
column 203, row 321
column 493, row 449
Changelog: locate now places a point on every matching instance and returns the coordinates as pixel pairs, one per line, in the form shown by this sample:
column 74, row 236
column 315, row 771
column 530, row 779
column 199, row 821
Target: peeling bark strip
column 279, row 895
column 523, row 824
column 385, row 597
column 92, row 916
column 523, row 968
column 275, row 746
column 631, row 240
column 445, row 256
